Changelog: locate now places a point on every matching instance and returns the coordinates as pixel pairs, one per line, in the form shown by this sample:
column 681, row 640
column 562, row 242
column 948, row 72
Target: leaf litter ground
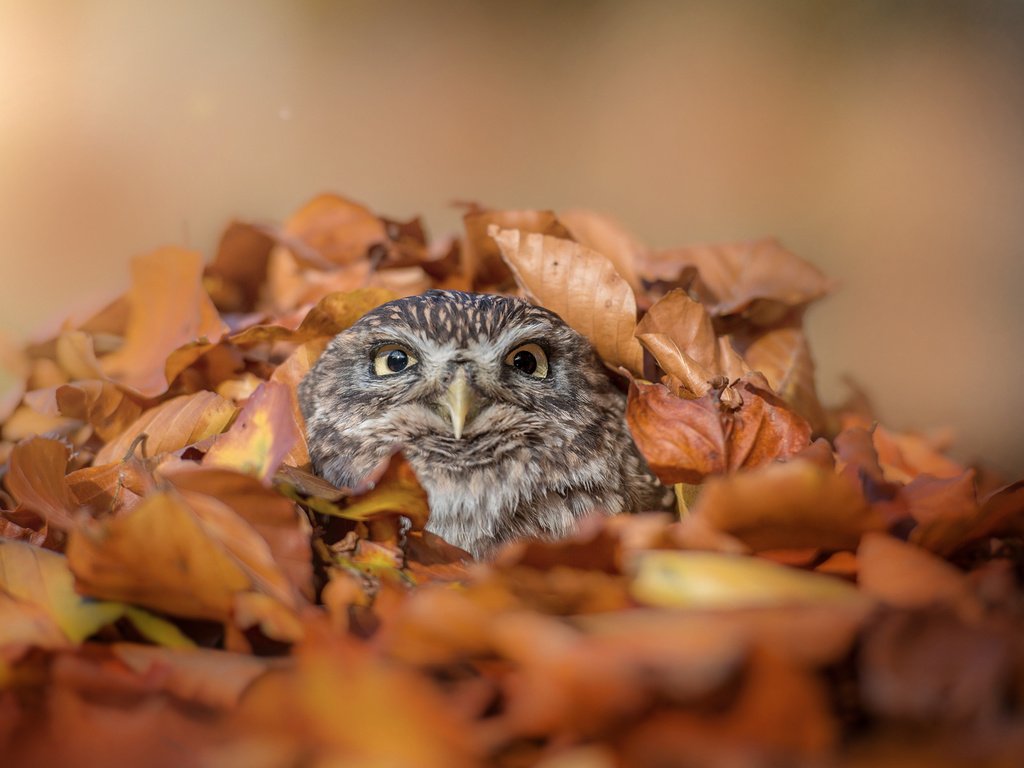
column 176, row 589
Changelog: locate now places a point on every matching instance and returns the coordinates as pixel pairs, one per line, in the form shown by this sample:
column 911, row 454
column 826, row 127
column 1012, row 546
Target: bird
column 505, row 413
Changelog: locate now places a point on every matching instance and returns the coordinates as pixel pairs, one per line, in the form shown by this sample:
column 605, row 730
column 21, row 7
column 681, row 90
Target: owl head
column 457, row 379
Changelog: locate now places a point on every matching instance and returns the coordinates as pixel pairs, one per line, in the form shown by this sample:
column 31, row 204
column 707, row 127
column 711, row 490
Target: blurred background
column 883, row 140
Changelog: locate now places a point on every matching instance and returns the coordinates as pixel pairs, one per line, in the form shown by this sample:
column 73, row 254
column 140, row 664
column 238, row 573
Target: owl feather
column 504, row 412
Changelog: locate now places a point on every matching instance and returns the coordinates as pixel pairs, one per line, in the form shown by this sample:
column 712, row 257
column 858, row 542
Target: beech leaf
column 582, row 287
column 169, row 308
column 173, row 424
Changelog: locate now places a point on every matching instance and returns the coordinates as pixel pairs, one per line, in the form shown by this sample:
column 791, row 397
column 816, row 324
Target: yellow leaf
column 673, row 579
column 42, row 579
column 262, row 435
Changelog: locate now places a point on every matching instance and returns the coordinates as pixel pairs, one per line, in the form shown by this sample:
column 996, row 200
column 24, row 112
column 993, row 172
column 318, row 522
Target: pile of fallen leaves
column 176, row 589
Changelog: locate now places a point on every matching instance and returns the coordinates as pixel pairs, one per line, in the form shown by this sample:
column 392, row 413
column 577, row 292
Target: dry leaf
column 684, row 441
column 173, row 424
column 606, row 236
column 333, row 229
column 159, row 556
column 261, row 436
column 169, row 308
column 36, row 480
column 582, row 287
column 784, row 357
column 903, row 575
column 759, row 279
column 711, row 580
column 482, row 258
column 788, row 505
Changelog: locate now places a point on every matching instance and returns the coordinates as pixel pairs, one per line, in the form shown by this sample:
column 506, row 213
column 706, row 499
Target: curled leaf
column 582, row 287
column 173, row 424
column 684, row 441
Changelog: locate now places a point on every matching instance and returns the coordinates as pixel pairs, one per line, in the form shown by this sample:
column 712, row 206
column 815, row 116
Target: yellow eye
column 391, row 359
column 530, row 359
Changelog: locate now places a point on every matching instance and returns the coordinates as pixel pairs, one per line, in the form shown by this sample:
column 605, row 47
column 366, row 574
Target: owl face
column 456, row 379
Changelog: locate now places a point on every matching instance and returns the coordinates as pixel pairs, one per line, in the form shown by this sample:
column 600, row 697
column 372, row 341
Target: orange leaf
column 274, row 517
column 334, row 229
column 609, row 238
column 36, row 480
column 169, row 308
column 100, row 403
column 260, row 437
column 582, row 287
column 241, row 263
column 330, row 316
column 784, row 357
column 686, row 440
column 174, row 424
column 760, row 279
column 906, row 576
column 787, row 505
column 290, row 373
column 198, row 675
column 946, row 511
column 393, row 489
column 677, row 330
column 482, row 258
column 158, row 556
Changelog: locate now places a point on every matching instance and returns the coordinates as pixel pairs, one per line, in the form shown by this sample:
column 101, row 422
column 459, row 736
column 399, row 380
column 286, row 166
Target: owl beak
column 459, row 401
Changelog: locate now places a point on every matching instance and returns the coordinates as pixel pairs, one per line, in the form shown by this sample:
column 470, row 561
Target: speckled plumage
column 535, row 453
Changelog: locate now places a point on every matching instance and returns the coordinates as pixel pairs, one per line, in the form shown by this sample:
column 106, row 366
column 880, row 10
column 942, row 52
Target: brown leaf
column 172, row 425
column 24, row 626
column 932, row 668
column 760, row 279
column 686, row 440
column 108, row 489
column 169, row 308
column 482, row 258
column 274, row 517
column 328, row 317
column 334, row 229
column 670, row 579
column 582, row 287
column 100, row 403
column 211, row 678
column 682, row 440
column 609, row 238
column 36, row 481
column 781, row 715
column 240, row 266
column 907, row 576
column 905, row 455
column 290, row 373
column 788, row 505
column 946, row 511
column 392, row 490
column 784, row 357
column 677, row 331
column 262, row 435
column 158, row 556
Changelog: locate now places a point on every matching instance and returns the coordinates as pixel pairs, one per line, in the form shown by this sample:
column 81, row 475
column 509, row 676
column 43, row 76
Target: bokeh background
column 881, row 139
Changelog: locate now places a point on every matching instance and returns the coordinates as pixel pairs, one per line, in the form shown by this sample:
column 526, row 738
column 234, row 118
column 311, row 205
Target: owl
column 504, row 412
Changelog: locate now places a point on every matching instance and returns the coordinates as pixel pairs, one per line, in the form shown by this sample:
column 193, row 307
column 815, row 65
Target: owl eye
column 391, row 359
column 530, row 359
